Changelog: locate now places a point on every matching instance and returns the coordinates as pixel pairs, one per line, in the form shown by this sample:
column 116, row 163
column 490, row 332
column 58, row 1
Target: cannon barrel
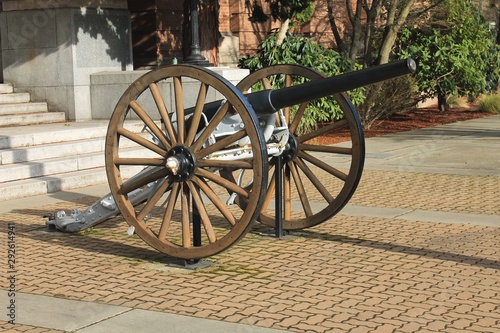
column 269, row 101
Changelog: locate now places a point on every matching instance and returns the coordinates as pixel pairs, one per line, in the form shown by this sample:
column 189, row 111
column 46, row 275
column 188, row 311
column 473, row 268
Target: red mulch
column 419, row 118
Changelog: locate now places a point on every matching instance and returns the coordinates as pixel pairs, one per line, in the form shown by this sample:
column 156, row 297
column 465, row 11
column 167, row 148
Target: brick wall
column 224, row 16
column 251, row 34
column 157, row 30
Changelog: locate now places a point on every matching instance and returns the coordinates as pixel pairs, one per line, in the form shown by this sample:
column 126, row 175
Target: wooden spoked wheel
column 318, row 179
column 194, row 124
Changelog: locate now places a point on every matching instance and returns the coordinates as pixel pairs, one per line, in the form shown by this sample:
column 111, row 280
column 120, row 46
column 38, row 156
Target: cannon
column 216, row 157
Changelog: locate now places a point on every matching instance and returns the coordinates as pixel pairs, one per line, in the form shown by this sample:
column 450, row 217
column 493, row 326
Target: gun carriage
column 218, row 157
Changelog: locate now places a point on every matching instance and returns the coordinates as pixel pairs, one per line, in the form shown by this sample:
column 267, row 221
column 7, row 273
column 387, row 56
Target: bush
column 454, row 101
column 490, row 103
column 388, row 97
column 297, row 49
column 455, row 50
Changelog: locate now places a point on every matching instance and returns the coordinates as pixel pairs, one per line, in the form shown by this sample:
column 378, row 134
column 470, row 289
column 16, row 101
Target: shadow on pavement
column 404, row 249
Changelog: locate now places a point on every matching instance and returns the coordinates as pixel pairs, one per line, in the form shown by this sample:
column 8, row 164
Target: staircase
column 51, row 155
column 16, row 109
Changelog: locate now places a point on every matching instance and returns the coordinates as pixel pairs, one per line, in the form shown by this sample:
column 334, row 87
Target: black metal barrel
column 269, row 101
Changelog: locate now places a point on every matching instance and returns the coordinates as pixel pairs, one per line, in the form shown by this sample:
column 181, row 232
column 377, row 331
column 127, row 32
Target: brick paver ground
column 355, row 274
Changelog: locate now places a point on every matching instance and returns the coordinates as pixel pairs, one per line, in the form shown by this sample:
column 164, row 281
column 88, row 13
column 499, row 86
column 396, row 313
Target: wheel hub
column 291, row 149
column 181, row 162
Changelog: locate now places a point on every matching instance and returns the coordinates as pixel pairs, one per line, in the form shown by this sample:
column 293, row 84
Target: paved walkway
column 416, row 250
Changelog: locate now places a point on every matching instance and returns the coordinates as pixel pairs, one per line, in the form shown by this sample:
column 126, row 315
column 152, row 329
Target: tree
column 374, row 26
column 455, row 50
column 288, row 12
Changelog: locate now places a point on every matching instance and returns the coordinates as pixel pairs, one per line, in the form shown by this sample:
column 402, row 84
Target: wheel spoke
column 231, row 139
column 224, row 164
column 214, row 198
column 288, row 83
column 232, row 187
column 316, row 182
column 139, row 161
column 301, row 190
column 323, row 130
column 269, row 193
column 198, row 112
column 141, row 141
column 162, row 188
column 179, row 108
column 266, row 83
column 210, row 128
column 167, row 217
column 326, row 149
column 298, row 117
column 328, row 168
column 129, row 185
column 205, row 220
column 186, row 230
column 160, row 104
column 150, row 123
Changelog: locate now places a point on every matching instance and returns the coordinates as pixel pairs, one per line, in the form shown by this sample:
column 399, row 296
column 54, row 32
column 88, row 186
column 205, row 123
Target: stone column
column 50, row 48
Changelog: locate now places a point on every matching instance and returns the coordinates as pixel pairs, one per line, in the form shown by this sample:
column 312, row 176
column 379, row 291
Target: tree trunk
column 372, row 15
column 387, row 44
column 396, row 18
column 442, row 103
column 357, row 40
column 498, row 28
column 342, row 47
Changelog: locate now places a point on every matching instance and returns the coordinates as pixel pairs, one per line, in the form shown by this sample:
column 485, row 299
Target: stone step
column 47, row 158
column 22, row 108
column 14, row 98
column 71, row 163
column 6, row 88
column 14, row 172
column 31, row 118
column 24, row 136
column 58, row 182
column 43, row 152
column 51, row 150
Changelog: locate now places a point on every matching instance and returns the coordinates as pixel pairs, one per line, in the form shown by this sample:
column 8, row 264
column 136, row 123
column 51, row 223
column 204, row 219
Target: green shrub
column 456, row 52
column 297, row 49
column 490, row 103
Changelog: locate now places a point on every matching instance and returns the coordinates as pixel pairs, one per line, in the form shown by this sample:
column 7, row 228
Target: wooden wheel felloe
column 178, row 156
column 318, row 180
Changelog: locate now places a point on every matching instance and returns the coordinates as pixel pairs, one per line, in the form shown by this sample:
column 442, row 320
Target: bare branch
column 333, row 24
column 425, row 10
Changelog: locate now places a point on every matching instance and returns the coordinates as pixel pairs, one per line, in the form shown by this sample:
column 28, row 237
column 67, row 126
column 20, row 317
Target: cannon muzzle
column 269, row 101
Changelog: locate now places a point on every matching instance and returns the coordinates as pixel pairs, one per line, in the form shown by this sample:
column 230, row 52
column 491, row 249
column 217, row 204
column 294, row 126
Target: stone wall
column 50, row 51
column 107, row 88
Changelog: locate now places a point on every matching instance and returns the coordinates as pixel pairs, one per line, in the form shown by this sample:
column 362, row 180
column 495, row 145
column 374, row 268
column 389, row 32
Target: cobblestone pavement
column 351, row 273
